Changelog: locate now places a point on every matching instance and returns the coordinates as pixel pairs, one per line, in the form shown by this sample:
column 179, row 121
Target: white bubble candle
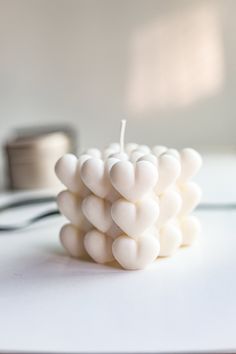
column 130, row 204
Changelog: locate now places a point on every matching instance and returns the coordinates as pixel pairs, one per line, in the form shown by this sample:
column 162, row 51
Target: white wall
column 169, row 66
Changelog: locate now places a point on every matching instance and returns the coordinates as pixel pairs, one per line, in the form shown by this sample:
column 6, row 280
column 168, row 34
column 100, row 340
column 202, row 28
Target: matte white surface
column 49, row 302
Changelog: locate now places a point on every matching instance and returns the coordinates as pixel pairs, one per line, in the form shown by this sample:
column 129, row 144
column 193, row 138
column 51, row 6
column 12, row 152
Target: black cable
column 54, row 212
column 216, row 206
column 25, row 202
column 26, row 223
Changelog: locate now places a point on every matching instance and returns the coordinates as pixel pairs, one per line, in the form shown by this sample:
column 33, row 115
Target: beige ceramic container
column 31, row 159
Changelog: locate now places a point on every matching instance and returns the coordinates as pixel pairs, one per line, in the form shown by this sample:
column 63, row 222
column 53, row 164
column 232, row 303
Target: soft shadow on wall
column 176, row 73
column 176, row 61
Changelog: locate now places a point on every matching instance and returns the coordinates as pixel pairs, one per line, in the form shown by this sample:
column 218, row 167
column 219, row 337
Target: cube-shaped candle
column 130, row 204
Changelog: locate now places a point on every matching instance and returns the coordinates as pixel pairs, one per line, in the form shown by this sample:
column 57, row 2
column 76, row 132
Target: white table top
column 52, row 303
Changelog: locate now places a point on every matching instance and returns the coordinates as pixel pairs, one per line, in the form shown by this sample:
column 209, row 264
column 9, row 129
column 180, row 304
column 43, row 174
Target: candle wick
column 122, row 135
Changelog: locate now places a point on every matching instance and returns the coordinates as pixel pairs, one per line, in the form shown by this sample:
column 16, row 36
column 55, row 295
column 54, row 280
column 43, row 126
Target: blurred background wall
column 169, row 67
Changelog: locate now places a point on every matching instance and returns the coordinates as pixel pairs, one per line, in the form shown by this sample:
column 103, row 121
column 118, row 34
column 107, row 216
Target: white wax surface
column 142, row 196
